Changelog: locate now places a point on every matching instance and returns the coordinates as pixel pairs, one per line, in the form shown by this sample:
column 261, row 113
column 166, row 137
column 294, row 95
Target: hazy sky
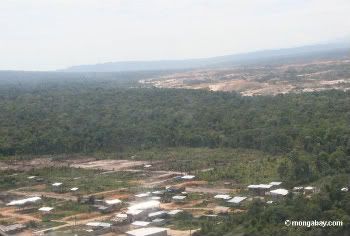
column 52, row 34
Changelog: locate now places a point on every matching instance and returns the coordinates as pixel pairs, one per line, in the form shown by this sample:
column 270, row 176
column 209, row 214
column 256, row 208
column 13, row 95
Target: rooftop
column 279, row 191
column 275, row 183
column 222, row 196
column 259, row 186
column 237, row 199
column 145, row 205
column 99, row 224
column 179, row 197
column 113, row 201
column 24, row 201
column 46, row 209
column 140, row 223
column 143, row 195
column 146, row 231
column 188, row 177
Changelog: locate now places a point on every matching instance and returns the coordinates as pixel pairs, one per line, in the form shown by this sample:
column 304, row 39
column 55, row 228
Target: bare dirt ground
column 263, row 80
column 60, row 196
column 110, row 165
column 42, row 162
column 10, row 213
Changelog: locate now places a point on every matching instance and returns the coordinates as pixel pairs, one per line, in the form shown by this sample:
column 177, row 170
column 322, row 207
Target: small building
column 188, row 177
column 179, row 198
column 150, row 231
column 158, row 222
column 158, row 192
column 222, row 197
column 152, row 204
column 45, row 210
column 134, row 214
column 140, row 223
column 236, row 200
column 275, row 184
column 277, row 193
column 113, row 202
column 74, row 189
column 22, row 202
column 175, row 189
column 143, row 195
column 309, row 190
column 259, row 189
column 57, row 187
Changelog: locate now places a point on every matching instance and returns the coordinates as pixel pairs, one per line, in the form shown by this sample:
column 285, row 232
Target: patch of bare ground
column 263, row 80
column 173, row 205
column 11, row 213
column 110, row 165
column 173, row 232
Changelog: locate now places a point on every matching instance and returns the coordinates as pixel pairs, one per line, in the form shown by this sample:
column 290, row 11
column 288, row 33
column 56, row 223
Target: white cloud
column 42, row 34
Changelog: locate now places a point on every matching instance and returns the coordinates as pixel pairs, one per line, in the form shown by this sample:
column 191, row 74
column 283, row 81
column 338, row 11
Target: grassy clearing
column 220, row 164
column 88, row 181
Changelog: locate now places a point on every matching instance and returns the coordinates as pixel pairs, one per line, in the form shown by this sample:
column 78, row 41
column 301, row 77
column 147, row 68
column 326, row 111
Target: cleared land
column 263, row 80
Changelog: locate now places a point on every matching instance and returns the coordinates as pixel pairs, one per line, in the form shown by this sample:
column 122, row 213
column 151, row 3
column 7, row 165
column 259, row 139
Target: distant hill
column 267, row 57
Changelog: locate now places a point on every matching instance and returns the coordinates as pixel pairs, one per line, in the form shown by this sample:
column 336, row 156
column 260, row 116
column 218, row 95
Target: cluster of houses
column 144, row 216
column 140, row 218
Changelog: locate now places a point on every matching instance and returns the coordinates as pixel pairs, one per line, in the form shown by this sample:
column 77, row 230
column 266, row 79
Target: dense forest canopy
column 88, row 116
column 85, row 113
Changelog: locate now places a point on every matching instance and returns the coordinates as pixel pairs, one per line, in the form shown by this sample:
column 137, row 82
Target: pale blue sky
column 53, row 34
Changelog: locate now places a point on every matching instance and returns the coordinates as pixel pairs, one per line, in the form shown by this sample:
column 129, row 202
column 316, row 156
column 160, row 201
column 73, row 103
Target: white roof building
column 158, row 192
column 237, row 200
column 298, row 188
column 31, row 177
column 280, row 191
column 74, row 189
column 56, row 184
column 179, row 197
column 275, row 183
column 188, row 177
column 309, row 188
column 98, row 224
column 46, row 209
column 140, row 223
column 24, row 201
column 147, row 166
column 145, row 205
column 150, row 231
column 174, row 212
column 142, row 195
column 155, row 198
column 260, row 186
column 222, row 196
column 113, row 202
column 345, row 189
